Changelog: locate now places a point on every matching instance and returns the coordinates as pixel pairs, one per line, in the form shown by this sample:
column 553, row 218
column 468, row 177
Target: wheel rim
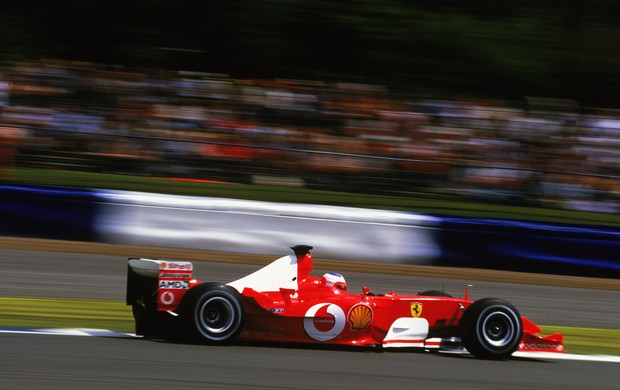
column 216, row 316
column 498, row 329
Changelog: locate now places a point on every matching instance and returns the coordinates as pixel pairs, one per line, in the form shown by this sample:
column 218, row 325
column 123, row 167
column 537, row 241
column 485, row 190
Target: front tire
column 491, row 328
column 213, row 313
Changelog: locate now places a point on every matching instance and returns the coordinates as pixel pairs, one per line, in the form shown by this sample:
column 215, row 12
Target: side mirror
column 365, row 291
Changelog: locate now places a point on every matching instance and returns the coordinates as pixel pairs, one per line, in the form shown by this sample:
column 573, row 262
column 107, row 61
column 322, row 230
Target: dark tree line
column 552, row 48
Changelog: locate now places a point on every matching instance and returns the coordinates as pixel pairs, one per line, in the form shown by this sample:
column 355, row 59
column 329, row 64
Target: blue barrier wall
column 530, row 246
column 48, row 212
column 90, row 215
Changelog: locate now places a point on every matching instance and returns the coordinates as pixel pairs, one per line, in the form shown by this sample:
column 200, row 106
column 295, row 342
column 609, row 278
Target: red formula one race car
column 282, row 302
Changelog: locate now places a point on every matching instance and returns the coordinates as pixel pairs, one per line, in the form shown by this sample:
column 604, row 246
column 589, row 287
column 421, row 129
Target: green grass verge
column 65, row 313
column 406, row 202
column 116, row 316
column 588, row 341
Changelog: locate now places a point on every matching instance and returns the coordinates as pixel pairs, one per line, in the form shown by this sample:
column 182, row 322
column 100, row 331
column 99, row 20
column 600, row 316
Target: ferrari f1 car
column 282, row 302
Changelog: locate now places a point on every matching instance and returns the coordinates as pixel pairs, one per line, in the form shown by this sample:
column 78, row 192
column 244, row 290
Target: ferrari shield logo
column 416, row 309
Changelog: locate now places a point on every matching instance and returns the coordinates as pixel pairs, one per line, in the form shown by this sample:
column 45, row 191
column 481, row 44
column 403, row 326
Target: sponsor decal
column 276, row 310
column 174, row 284
column 416, row 309
column 360, row 317
column 175, row 265
column 541, row 347
column 167, row 298
column 324, row 321
column 175, row 276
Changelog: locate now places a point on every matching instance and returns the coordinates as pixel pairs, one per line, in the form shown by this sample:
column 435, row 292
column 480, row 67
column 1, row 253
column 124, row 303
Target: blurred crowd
column 75, row 115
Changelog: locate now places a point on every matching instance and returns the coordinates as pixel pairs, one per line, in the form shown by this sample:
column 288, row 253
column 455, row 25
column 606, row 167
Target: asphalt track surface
column 45, row 361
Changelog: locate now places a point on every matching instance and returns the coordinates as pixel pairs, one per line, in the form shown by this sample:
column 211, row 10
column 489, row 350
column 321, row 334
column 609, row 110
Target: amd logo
column 178, row 284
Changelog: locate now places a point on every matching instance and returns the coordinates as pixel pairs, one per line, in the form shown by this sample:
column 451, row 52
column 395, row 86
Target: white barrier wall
column 263, row 227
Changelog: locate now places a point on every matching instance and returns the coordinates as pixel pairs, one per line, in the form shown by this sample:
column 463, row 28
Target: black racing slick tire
column 491, row 328
column 213, row 313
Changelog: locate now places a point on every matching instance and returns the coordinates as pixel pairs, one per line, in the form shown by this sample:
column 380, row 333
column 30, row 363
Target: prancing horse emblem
column 416, row 309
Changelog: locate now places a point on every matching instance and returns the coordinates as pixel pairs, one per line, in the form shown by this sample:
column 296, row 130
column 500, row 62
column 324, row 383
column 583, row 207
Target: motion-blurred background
column 495, row 101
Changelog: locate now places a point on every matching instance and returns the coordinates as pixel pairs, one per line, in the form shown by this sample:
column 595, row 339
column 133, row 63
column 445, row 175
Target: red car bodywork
column 282, row 302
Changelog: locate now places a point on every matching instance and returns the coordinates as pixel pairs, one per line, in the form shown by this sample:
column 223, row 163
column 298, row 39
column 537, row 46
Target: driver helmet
column 332, row 279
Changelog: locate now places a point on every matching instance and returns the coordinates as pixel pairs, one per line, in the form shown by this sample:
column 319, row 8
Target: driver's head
column 332, row 279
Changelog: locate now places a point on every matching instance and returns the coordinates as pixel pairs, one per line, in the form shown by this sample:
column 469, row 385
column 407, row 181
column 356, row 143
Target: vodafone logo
column 167, row 298
column 324, row 321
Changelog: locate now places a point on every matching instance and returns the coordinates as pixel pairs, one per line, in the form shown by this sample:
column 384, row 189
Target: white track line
column 568, row 356
column 109, row 333
column 71, row 332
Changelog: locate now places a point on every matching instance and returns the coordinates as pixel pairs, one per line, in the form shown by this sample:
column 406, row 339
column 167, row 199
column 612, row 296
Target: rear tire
column 491, row 328
column 213, row 313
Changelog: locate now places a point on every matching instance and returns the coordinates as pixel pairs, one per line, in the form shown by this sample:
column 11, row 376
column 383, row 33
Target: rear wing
column 160, row 283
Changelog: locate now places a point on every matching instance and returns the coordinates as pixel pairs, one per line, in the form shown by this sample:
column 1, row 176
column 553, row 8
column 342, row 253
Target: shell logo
column 175, row 266
column 360, row 316
column 324, row 321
